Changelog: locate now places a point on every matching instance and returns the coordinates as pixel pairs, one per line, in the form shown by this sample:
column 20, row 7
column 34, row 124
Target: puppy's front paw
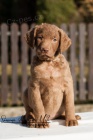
column 43, row 125
column 35, row 124
column 40, row 122
column 31, row 123
column 71, row 122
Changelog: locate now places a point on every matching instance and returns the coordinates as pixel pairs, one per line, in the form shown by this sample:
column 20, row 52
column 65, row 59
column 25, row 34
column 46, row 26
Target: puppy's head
column 49, row 40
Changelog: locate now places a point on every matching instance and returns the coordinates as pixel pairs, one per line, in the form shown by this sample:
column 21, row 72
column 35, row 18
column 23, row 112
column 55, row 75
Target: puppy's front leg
column 35, row 102
column 69, row 105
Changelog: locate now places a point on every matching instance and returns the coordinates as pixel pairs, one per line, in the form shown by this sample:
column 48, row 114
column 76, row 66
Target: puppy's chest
column 47, row 72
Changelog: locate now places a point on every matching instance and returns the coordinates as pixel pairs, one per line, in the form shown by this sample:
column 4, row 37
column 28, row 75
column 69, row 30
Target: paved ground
column 18, row 111
column 10, row 129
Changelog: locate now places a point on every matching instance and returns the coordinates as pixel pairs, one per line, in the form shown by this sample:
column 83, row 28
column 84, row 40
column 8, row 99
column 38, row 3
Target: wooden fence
column 15, row 59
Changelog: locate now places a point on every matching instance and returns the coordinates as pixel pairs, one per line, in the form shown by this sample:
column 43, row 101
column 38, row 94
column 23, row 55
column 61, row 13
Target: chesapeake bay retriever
column 50, row 89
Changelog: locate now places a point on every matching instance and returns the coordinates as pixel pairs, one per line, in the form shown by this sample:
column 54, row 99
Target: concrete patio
column 10, row 128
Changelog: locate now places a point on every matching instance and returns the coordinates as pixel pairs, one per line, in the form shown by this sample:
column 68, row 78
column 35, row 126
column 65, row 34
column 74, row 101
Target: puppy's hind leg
column 63, row 117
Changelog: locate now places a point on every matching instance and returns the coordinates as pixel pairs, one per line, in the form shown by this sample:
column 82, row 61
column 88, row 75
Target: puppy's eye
column 54, row 39
column 39, row 37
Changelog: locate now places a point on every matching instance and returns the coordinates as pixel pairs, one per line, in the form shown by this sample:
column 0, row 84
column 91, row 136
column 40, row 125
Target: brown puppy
column 50, row 89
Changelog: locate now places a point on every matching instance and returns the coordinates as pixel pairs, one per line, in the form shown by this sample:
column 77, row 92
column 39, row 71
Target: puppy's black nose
column 44, row 50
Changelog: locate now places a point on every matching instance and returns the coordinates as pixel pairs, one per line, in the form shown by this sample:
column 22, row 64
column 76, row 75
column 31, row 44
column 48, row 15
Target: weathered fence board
column 14, row 48
column 73, row 55
column 32, row 49
column 24, row 60
column 4, row 48
column 90, row 32
column 82, row 30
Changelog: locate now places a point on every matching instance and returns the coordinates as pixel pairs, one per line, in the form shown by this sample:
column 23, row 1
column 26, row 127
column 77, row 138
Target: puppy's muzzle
column 43, row 50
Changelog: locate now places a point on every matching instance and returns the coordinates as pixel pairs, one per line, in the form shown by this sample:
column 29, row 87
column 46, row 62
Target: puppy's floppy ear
column 30, row 37
column 65, row 41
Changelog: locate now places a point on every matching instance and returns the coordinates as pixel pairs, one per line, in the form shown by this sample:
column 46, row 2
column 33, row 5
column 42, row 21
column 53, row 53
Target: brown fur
column 50, row 89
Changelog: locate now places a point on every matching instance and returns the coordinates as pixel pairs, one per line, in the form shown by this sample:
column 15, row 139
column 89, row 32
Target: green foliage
column 56, row 11
column 85, row 8
column 51, row 11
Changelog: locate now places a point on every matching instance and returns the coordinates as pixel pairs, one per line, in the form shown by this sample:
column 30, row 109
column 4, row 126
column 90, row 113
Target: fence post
column 24, row 61
column 82, row 29
column 73, row 55
column 90, row 39
column 4, row 59
column 14, row 48
column 33, row 50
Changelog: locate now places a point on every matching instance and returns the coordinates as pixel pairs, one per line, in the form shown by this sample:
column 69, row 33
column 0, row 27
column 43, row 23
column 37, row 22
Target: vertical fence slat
column 24, row 62
column 90, row 32
column 14, row 48
column 73, row 55
column 64, row 27
column 33, row 50
column 82, row 29
column 4, row 48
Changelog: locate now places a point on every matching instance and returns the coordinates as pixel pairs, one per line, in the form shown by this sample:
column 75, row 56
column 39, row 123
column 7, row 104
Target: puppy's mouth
column 45, row 57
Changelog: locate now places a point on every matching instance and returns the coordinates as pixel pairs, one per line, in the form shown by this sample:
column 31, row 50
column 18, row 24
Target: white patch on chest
column 48, row 71
column 54, row 72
